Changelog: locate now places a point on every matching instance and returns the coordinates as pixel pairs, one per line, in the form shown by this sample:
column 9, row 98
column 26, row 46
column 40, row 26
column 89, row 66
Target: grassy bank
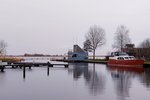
column 10, row 59
column 147, row 62
column 102, row 61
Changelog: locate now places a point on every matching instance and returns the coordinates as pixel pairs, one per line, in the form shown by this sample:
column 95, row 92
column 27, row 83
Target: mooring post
column 12, row 66
column 48, row 65
column 47, row 70
column 24, row 72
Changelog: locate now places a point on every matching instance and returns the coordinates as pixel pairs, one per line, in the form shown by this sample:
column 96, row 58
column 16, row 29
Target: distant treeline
column 42, row 55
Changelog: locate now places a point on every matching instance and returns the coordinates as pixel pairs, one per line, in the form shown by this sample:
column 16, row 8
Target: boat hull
column 126, row 63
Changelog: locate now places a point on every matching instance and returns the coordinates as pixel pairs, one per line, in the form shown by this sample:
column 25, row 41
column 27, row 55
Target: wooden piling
column 47, row 70
column 24, row 71
column 12, row 66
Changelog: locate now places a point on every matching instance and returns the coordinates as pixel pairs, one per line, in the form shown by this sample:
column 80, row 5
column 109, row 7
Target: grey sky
column 53, row 26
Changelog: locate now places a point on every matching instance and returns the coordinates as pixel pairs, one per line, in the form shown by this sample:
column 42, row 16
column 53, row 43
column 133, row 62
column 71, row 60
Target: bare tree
column 87, row 46
column 121, row 38
column 145, row 43
column 145, row 49
column 96, row 38
column 3, row 46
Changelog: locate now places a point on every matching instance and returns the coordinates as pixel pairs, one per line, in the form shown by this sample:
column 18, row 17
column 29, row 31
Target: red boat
column 121, row 59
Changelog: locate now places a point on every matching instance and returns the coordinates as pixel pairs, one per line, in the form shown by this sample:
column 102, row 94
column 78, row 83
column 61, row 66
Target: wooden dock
column 24, row 65
column 30, row 64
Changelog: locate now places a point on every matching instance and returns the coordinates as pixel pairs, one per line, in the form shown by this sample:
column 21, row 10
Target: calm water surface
column 78, row 82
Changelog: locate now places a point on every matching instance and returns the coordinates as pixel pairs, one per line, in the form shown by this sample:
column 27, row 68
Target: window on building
column 74, row 55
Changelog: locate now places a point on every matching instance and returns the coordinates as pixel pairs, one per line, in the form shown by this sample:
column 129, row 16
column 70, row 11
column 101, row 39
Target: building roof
column 76, row 48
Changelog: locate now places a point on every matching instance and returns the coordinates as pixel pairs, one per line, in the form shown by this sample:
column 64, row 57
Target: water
column 81, row 81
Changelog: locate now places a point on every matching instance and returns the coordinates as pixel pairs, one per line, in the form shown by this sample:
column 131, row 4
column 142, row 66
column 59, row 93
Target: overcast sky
column 53, row 26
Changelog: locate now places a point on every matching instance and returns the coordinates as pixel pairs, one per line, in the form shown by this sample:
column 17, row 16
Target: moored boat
column 121, row 59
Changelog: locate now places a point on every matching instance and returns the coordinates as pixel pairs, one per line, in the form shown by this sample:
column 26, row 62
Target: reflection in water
column 2, row 78
column 145, row 78
column 84, row 82
column 94, row 80
column 122, row 80
column 122, row 83
column 78, row 69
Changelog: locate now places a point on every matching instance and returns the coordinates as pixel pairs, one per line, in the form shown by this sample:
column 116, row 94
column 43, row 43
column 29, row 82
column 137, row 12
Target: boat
column 122, row 59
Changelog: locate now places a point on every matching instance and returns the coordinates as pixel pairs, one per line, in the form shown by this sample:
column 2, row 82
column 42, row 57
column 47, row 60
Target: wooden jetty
column 29, row 65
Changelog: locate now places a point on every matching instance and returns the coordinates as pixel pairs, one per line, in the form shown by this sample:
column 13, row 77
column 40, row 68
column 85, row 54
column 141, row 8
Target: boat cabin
column 126, row 58
column 123, row 58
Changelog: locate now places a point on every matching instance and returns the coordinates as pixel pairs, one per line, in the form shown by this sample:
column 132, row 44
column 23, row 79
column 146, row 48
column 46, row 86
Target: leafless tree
column 121, row 38
column 3, row 46
column 96, row 38
column 145, row 43
column 145, row 49
column 87, row 46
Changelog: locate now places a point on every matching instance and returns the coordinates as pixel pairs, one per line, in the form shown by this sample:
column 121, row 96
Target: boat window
column 112, row 54
column 126, row 58
column 122, row 58
column 132, row 58
column 116, row 53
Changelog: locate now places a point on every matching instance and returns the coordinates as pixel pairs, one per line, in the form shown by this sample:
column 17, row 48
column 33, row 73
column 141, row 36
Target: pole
column 24, row 72
column 48, row 70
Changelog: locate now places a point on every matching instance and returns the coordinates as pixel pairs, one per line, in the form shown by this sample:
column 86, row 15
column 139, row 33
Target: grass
column 10, row 59
column 147, row 62
column 97, row 61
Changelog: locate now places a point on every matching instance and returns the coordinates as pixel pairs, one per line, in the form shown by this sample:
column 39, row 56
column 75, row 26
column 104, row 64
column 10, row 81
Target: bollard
column 24, row 71
column 47, row 70
column 13, row 66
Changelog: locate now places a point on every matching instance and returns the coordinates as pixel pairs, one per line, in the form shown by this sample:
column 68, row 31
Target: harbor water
column 81, row 81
